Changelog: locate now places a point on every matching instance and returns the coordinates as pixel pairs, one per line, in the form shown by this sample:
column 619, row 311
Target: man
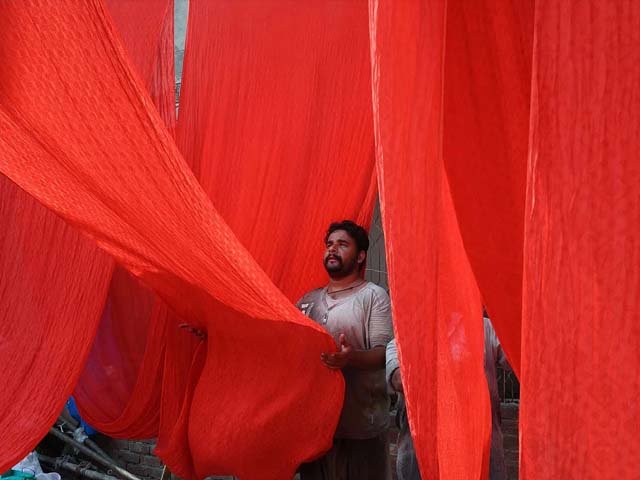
column 357, row 314
column 494, row 355
column 407, row 464
column 406, row 461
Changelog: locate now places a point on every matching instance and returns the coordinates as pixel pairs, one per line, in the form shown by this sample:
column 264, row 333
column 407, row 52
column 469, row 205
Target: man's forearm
column 367, row 359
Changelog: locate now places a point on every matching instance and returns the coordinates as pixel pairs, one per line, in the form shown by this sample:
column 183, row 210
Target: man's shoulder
column 375, row 290
column 311, row 296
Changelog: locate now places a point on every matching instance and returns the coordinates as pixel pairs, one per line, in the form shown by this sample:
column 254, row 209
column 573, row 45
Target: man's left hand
column 340, row 359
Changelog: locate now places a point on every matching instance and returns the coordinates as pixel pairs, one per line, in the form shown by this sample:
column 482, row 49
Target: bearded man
column 357, row 313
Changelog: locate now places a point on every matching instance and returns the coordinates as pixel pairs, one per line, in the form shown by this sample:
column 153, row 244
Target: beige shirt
column 364, row 316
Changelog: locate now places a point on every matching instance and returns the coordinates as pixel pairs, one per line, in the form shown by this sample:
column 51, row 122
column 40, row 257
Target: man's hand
column 396, row 381
column 338, row 360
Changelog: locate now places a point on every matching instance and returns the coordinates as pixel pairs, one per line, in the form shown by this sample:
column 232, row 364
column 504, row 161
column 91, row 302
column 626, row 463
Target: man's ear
column 362, row 256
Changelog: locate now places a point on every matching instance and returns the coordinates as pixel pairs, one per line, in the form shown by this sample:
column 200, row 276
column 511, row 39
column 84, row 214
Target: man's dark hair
column 355, row 231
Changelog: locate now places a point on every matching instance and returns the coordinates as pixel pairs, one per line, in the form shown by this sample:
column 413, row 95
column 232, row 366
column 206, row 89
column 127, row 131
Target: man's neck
column 344, row 282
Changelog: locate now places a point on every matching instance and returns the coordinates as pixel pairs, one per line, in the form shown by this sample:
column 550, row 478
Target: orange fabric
column 580, row 414
column 436, row 307
column 120, row 179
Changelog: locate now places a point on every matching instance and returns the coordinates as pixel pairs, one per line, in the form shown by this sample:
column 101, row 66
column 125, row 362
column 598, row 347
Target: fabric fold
column 436, row 307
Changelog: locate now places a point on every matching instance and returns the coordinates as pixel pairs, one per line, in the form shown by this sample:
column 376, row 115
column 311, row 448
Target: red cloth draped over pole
column 78, row 132
column 436, row 308
column 487, row 79
column 142, row 205
column 580, row 415
column 46, row 270
column 277, row 128
column 120, row 388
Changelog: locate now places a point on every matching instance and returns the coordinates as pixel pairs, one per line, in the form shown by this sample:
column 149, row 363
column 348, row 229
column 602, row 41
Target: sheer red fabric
column 50, row 277
column 580, row 415
column 146, row 30
column 275, row 120
column 121, row 180
column 288, row 146
column 119, row 390
column 487, row 79
column 436, row 308
column 266, row 124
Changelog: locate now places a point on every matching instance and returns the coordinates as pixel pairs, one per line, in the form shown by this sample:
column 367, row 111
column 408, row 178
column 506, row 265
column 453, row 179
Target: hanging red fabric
column 46, row 269
column 436, row 308
column 114, row 173
column 487, row 79
column 277, row 125
column 298, row 154
column 185, row 251
column 580, row 415
column 119, row 390
column 146, row 30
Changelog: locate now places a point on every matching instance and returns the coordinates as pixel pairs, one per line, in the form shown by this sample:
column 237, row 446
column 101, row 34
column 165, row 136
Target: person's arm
column 502, row 359
column 393, row 367
column 349, row 357
column 380, row 333
column 396, row 381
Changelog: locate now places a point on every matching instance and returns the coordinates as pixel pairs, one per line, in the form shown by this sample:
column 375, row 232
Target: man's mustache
column 333, row 257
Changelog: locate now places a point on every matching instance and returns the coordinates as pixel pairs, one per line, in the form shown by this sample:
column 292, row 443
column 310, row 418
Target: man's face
column 341, row 255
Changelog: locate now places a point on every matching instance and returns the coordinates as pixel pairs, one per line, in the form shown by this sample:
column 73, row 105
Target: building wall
column 376, row 261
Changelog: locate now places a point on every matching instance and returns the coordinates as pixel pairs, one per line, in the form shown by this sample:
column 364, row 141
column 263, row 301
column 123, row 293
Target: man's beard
column 339, row 269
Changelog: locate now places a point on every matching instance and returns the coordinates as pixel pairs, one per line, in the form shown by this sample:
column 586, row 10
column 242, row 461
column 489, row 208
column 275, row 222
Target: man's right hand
column 338, row 360
column 396, row 381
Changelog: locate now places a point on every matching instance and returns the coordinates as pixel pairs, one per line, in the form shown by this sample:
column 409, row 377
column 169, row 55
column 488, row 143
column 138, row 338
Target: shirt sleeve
column 502, row 359
column 380, row 326
column 392, row 361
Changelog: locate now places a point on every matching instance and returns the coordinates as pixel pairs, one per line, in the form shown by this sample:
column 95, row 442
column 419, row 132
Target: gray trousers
column 407, row 463
column 351, row 460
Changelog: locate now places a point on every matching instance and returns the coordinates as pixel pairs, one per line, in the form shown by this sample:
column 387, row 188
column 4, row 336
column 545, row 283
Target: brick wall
column 136, row 456
column 510, row 438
